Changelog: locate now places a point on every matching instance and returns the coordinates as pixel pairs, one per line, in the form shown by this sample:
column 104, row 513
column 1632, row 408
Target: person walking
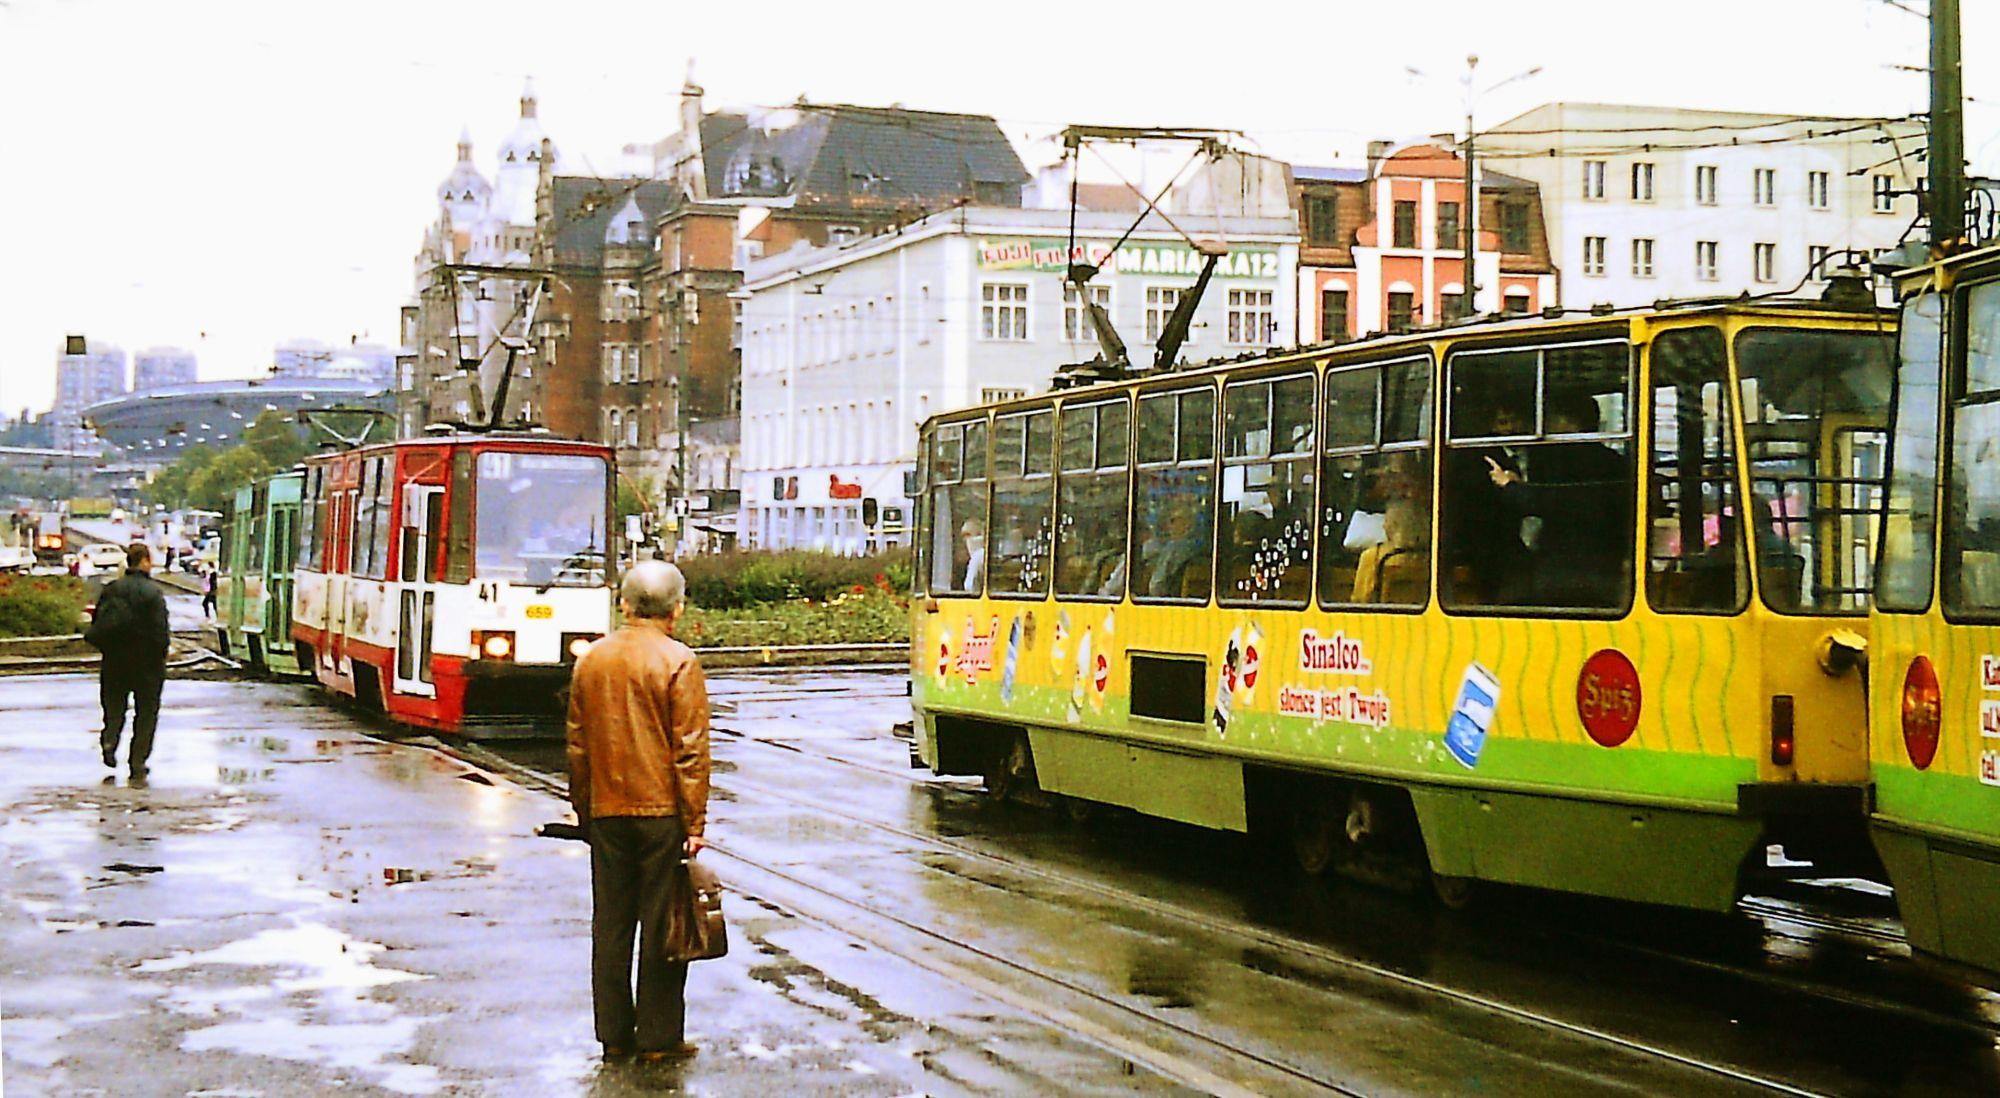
column 638, row 769
column 130, row 629
column 208, row 590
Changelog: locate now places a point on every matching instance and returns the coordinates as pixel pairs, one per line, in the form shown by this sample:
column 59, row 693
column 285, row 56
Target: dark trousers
column 142, row 686
column 632, row 865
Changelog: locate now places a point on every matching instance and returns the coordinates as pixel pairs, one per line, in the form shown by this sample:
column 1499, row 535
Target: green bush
column 40, row 606
column 870, row 615
column 733, row 581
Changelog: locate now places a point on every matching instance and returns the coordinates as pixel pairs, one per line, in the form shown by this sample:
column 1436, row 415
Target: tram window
column 458, row 534
column 385, row 519
column 1023, row 504
column 1694, row 532
column 1815, row 422
column 1265, row 533
column 958, row 509
column 307, row 518
column 1375, row 485
column 253, row 561
column 364, row 521
column 1538, row 483
column 920, row 556
column 1972, row 487
column 1175, row 505
column 541, row 519
column 1093, row 483
column 1909, row 529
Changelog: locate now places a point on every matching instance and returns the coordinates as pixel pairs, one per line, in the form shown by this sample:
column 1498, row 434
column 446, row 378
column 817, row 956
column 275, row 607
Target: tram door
column 337, row 590
column 423, row 519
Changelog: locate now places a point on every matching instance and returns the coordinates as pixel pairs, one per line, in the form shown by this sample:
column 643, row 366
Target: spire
column 465, row 145
column 688, row 86
column 528, row 98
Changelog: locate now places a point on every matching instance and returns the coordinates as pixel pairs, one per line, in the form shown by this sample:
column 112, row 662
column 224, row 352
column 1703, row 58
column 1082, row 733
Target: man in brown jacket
column 638, row 776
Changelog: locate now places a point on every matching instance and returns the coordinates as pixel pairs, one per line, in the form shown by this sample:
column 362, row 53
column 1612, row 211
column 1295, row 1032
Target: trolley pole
column 1947, row 144
column 1468, row 300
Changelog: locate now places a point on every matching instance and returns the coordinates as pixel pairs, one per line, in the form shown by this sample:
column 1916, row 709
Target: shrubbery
column 40, row 606
column 733, row 581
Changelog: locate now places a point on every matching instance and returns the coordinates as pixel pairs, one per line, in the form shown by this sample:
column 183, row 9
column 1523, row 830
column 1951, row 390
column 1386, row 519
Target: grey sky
column 262, row 171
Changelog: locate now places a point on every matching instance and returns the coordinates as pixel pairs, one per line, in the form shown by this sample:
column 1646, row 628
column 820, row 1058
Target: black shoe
column 139, row 773
column 681, row 1051
column 111, row 757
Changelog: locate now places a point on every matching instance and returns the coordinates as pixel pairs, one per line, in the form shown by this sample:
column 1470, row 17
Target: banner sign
column 1142, row 258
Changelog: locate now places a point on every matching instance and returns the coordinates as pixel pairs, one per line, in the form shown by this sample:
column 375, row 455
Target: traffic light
column 870, row 511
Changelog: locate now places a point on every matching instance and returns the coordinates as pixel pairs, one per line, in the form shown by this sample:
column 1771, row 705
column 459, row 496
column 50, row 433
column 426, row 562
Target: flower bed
column 859, row 615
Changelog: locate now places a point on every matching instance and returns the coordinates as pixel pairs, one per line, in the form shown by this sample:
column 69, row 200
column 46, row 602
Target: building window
column 1816, row 262
column 1764, row 187
column 631, row 426
column 923, row 314
column 1451, row 306
column 1642, row 181
column 1447, row 226
column 842, row 234
column 1076, row 323
column 1251, row 319
column 1642, row 257
column 1003, row 310
column 634, row 356
column 1405, row 227
column 620, row 300
column 1764, row 262
column 996, row 396
column 1333, row 314
column 1885, row 194
column 1593, row 179
column 1322, row 215
column 1704, row 260
column 852, row 337
column 613, row 357
column 1402, row 310
column 1160, row 302
column 1704, row 184
column 1593, row 255
column 1514, row 227
column 1816, row 190
column 1515, row 302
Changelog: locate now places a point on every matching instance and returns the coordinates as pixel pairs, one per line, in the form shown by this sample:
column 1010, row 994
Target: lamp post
column 1468, row 222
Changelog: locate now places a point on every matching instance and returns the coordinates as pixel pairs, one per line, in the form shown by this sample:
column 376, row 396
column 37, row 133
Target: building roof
column 1306, row 173
column 852, row 157
column 584, row 209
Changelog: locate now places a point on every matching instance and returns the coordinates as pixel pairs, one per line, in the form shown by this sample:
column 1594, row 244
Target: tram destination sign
column 1133, row 258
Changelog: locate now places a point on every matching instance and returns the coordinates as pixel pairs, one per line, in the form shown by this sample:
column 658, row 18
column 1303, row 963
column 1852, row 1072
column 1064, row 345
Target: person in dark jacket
column 1580, row 491
column 130, row 628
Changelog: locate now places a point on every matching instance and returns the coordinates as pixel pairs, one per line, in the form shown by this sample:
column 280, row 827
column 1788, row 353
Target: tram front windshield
column 1815, row 421
column 541, row 518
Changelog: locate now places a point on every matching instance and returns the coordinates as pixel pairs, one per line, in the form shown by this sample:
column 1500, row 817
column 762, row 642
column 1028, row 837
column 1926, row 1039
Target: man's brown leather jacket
column 638, row 729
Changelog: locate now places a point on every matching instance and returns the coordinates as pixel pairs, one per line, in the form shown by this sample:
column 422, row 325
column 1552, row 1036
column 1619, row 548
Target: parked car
column 105, row 556
column 16, row 558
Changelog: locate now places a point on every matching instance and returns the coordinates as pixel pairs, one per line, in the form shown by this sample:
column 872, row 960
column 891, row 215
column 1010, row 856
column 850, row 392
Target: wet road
column 1337, row 984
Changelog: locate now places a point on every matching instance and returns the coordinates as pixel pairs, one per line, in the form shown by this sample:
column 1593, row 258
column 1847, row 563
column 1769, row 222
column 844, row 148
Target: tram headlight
column 574, row 645
column 494, row 645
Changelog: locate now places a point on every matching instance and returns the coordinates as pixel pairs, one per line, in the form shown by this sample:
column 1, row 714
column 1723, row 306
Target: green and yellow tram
column 1935, row 670
column 1573, row 602
column 254, row 592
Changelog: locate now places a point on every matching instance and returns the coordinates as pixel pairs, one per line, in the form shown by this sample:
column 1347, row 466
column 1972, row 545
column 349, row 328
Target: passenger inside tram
column 1175, row 543
column 1485, row 556
column 1566, row 496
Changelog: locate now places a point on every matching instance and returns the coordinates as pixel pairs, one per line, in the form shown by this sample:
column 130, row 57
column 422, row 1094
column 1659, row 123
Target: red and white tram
column 450, row 582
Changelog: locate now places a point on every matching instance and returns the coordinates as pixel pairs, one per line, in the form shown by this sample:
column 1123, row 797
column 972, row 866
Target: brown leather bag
column 695, row 930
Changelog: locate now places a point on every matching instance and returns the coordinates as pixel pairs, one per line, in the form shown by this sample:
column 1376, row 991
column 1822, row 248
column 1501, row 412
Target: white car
column 16, row 558
column 105, row 556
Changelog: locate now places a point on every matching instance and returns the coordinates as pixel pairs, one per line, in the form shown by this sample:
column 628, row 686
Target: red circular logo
column 1923, row 711
column 1103, row 672
column 1607, row 697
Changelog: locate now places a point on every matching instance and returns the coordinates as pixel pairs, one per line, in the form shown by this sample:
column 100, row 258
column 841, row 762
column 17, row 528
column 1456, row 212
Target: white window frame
column 1706, row 178
column 1075, row 328
column 1593, row 180
column 634, row 361
column 1593, row 256
column 1882, row 191
column 1819, row 190
column 1252, row 310
column 1764, row 261
column 1705, row 260
column 1643, row 174
column 998, row 300
column 1154, row 320
column 1816, row 256
column 1764, row 186
column 1642, row 257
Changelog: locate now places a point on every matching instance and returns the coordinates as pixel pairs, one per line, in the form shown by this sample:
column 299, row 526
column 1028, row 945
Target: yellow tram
column 1935, row 672
column 1574, row 602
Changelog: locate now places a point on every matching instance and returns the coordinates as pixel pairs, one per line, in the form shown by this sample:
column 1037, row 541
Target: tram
column 450, row 582
column 254, row 588
column 1935, row 668
column 1575, row 602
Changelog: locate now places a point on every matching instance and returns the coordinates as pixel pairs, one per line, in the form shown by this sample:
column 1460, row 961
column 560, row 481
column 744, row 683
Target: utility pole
column 1469, row 219
column 1947, row 143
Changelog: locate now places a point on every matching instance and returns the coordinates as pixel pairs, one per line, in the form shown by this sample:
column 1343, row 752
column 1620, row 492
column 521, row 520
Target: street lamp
column 1469, row 220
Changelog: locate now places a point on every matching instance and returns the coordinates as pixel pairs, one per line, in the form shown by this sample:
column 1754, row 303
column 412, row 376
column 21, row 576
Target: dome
column 524, row 144
column 628, row 225
column 464, row 184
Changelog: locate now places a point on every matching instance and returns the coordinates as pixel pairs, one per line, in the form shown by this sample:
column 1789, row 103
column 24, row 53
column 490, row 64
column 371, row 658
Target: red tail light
column 1922, row 712
column 1782, row 743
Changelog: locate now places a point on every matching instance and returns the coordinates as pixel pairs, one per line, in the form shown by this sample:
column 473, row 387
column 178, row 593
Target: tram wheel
column 1078, row 811
column 1316, row 838
column 1454, row 893
column 1010, row 770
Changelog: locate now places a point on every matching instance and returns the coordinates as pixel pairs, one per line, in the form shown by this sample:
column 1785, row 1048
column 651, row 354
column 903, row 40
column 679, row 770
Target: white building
column 82, row 380
column 1644, row 203
column 846, row 349
column 156, row 367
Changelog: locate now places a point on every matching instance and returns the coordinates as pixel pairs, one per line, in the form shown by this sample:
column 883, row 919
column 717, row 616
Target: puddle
column 317, row 1012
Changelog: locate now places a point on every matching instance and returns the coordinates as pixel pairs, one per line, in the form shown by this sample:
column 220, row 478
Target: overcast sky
column 225, row 176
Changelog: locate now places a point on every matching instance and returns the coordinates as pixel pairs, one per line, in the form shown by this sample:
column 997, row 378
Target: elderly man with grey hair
column 638, row 777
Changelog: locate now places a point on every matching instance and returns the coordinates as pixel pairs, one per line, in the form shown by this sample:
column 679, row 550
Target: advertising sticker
column 1472, row 714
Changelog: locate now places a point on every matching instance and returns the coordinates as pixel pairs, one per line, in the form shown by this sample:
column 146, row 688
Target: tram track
column 1290, row 953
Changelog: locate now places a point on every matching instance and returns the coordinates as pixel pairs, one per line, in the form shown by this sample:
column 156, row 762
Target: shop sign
column 1134, row 258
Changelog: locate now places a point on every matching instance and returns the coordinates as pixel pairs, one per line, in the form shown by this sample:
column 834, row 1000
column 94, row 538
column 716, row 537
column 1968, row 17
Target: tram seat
column 1397, row 577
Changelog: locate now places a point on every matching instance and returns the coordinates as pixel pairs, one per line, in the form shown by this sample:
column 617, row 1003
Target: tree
column 276, row 436
column 214, row 486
